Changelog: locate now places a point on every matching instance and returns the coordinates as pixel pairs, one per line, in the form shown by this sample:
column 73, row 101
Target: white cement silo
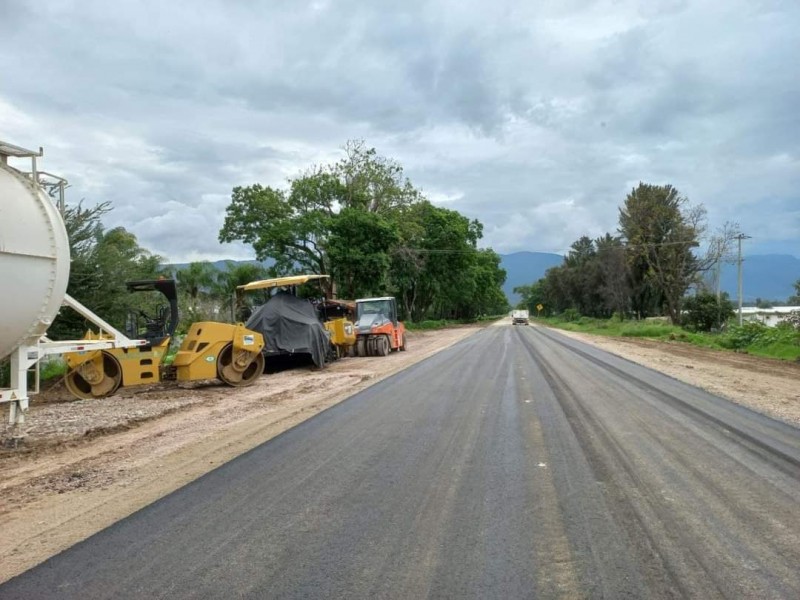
column 34, row 260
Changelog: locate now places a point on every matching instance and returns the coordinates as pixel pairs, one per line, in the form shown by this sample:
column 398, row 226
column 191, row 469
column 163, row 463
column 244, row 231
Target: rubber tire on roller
column 253, row 371
column 383, row 346
column 361, row 347
column 82, row 389
column 403, row 343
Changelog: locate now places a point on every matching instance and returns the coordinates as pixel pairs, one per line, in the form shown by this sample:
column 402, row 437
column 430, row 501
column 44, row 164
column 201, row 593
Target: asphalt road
column 516, row 464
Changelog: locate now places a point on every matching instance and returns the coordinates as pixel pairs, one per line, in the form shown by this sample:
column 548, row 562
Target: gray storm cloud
column 536, row 118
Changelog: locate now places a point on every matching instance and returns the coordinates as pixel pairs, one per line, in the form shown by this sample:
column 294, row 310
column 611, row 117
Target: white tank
column 34, row 260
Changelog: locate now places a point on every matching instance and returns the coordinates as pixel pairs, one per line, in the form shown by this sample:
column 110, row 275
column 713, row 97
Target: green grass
column 445, row 323
column 52, row 368
column 55, row 367
column 752, row 338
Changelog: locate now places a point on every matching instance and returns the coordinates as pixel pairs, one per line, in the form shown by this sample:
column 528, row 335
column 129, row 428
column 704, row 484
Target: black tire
column 403, row 345
column 383, row 346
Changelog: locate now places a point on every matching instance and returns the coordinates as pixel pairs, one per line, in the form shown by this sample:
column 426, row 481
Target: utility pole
column 740, row 237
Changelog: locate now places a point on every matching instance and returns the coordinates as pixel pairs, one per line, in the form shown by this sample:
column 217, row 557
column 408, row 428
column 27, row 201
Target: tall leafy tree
column 358, row 249
column 291, row 227
column 613, row 265
column 661, row 231
column 487, row 297
column 430, row 266
column 371, row 182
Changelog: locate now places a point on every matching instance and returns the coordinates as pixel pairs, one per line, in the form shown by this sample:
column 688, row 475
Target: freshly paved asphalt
column 515, row 464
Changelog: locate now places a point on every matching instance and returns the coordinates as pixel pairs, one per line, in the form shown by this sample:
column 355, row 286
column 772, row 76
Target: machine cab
column 156, row 325
column 372, row 312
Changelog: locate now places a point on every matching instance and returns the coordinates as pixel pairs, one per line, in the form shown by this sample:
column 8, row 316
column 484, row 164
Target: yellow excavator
column 210, row 350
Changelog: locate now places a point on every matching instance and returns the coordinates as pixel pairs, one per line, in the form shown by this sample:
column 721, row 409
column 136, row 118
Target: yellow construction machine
column 210, row 350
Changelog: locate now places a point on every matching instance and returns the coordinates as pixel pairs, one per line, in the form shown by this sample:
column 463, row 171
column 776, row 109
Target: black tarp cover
column 290, row 326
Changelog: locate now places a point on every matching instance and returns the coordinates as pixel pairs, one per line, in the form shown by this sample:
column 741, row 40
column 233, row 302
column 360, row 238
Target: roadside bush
column 430, row 324
column 570, row 315
column 648, row 330
column 792, row 320
column 703, row 312
column 758, row 335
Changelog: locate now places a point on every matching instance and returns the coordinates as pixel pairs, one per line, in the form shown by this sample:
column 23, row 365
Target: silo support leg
column 21, row 360
column 16, row 412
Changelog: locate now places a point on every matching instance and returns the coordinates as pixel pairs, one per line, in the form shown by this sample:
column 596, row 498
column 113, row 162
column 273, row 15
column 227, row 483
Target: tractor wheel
column 403, row 343
column 384, row 347
column 361, row 347
column 234, row 369
column 85, row 382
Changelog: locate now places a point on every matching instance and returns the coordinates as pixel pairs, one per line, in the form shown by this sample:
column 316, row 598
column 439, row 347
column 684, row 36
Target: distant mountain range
column 765, row 276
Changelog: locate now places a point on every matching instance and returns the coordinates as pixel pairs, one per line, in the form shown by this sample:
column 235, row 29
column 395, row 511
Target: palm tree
column 234, row 275
column 196, row 280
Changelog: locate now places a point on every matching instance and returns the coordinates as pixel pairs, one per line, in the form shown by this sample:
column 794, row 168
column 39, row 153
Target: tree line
column 360, row 220
column 645, row 268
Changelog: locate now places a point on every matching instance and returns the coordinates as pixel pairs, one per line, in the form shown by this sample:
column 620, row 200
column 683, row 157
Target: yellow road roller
column 210, row 350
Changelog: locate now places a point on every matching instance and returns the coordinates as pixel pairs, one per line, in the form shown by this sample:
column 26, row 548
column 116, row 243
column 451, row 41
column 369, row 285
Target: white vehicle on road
column 519, row 317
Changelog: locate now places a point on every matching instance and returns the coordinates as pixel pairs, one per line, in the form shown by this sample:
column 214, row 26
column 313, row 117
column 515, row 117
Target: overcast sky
column 535, row 117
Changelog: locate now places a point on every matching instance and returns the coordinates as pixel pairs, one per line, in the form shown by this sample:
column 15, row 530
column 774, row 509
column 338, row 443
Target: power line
column 623, row 246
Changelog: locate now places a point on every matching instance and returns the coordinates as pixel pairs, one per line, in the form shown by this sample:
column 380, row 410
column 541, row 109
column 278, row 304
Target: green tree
column 762, row 303
column 531, row 296
column 615, row 290
column 661, row 230
column 196, row 287
column 430, row 266
column 371, row 182
column 101, row 263
column 704, row 312
column 358, row 249
column 488, row 277
column 290, row 227
column 587, row 280
column 232, row 276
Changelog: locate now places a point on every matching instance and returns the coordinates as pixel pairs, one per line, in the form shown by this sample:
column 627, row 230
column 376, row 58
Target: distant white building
column 769, row 316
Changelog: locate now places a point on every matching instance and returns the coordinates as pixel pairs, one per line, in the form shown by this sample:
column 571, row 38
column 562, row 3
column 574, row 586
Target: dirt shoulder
column 84, row 465
column 768, row 386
